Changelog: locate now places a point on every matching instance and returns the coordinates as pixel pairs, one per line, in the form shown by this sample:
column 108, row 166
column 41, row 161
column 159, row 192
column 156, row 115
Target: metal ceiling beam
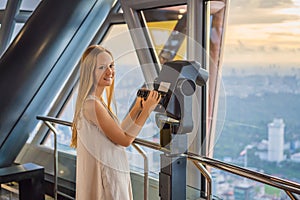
column 148, row 4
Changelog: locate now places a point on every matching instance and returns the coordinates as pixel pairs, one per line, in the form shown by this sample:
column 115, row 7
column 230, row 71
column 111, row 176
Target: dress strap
column 93, row 97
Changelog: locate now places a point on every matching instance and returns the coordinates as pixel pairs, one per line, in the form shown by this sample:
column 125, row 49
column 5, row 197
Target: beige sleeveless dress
column 102, row 171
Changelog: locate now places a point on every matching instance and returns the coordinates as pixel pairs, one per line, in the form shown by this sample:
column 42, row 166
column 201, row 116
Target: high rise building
column 244, row 192
column 276, row 140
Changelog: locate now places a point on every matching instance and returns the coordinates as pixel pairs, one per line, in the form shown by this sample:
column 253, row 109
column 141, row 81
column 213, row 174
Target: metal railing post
column 207, row 176
column 53, row 129
column 146, row 169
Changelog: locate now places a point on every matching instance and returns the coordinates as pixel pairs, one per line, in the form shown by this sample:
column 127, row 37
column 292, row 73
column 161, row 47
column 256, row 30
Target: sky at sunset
column 263, row 32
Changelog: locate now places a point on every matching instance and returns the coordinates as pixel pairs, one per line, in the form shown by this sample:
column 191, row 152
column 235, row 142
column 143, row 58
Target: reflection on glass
column 167, row 27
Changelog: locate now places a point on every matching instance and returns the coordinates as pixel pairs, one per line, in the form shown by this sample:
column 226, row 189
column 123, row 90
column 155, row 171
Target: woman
column 102, row 166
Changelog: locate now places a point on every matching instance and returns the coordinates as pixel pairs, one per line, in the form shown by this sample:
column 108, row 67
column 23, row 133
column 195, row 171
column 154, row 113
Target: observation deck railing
column 289, row 187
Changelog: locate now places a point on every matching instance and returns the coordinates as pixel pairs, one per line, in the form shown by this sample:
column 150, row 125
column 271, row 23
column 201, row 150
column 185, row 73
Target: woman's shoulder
column 91, row 102
column 94, row 106
column 90, row 107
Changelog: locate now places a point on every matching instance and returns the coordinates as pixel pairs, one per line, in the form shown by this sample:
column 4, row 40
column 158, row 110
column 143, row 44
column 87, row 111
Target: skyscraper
column 276, row 140
column 244, row 192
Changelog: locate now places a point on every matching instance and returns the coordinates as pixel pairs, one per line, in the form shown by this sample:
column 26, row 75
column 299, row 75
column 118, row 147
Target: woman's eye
column 111, row 66
column 101, row 67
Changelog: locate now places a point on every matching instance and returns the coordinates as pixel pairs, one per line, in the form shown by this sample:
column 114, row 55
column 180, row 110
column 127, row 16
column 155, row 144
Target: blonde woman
column 102, row 167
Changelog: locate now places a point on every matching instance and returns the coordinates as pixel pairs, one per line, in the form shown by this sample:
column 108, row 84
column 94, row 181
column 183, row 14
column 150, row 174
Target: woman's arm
column 134, row 122
column 133, row 114
column 98, row 115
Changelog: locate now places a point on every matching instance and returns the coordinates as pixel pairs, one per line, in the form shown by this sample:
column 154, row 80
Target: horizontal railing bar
column 243, row 172
column 260, row 177
column 55, row 120
column 151, row 145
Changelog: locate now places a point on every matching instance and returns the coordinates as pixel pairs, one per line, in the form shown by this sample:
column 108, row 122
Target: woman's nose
column 109, row 70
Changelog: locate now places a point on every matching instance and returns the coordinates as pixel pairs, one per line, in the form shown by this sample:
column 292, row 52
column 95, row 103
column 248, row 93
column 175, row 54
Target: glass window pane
column 167, row 27
column 3, row 4
column 261, row 79
column 129, row 78
column 228, row 186
column 64, row 132
column 18, row 27
column 29, row 4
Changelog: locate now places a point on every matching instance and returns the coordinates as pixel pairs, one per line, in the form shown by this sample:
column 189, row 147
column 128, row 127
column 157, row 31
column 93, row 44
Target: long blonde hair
column 88, row 63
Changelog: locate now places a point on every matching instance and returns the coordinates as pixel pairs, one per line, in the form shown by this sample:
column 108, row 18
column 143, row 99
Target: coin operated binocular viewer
column 176, row 83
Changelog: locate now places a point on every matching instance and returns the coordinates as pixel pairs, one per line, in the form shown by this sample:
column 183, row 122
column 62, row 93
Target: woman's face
column 105, row 70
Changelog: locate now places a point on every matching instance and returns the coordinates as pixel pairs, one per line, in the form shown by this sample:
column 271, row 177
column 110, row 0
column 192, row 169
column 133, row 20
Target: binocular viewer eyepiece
column 176, row 83
column 187, row 88
column 144, row 93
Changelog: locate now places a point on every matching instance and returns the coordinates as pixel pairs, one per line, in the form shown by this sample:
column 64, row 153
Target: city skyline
column 263, row 32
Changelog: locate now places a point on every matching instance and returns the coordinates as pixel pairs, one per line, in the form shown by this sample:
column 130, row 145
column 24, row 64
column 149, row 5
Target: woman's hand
column 138, row 103
column 151, row 102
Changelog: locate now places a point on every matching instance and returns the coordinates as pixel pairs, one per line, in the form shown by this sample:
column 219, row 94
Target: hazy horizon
column 263, row 32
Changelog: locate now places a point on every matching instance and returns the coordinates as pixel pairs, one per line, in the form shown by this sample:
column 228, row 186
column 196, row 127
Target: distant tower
column 244, row 192
column 276, row 140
